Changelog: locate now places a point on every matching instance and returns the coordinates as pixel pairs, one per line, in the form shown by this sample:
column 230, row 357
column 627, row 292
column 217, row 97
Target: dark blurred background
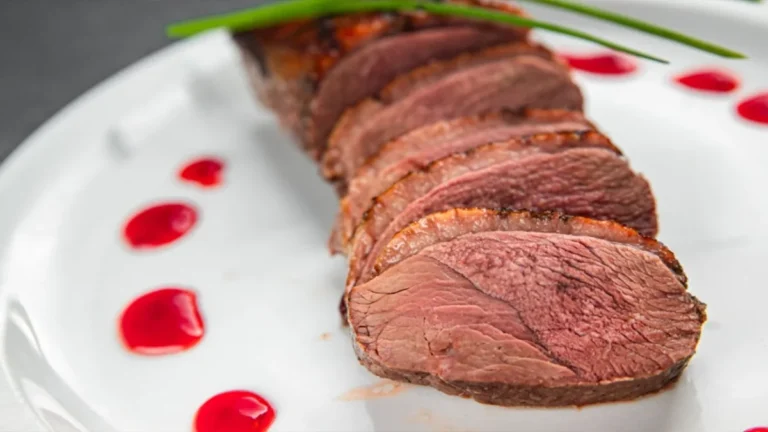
column 51, row 51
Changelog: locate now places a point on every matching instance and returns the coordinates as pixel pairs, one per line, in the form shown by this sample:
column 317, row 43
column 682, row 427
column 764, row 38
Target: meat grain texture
column 525, row 309
column 500, row 246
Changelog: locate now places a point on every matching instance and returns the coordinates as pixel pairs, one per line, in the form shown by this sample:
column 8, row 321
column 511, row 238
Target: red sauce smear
column 205, row 172
column 755, row 108
column 710, row 80
column 165, row 321
column 159, row 225
column 602, row 64
column 757, row 429
column 235, row 411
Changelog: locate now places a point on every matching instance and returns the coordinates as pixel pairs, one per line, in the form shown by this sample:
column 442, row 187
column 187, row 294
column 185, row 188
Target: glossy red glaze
column 205, row 172
column 235, row 411
column 755, row 108
column 602, row 64
column 163, row 321
column 159, row 225
column 709, row 80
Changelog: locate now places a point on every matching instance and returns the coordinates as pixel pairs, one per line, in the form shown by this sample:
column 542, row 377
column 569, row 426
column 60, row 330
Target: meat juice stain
column 164, row 321
column 205, row 172
column 235, row 411
column 601, row 64
column 755, row 108
column 380, row 389
column 709, row 80
column 159, row 225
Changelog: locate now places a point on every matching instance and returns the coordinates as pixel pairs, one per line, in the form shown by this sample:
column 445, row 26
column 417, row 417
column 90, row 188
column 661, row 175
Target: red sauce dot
column 159, row 225
column 709, row 80
column 602, row 64
column 206, row 172
column 235, row 411
column 755, row 108
column 757, row 429
column 164, row 321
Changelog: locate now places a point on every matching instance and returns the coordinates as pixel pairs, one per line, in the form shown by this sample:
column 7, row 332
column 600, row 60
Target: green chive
column 282, row 12
column 640, row 25
column 279, row 13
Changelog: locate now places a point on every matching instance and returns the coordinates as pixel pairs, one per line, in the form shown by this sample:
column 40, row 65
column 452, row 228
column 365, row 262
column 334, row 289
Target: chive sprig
column 286, row 11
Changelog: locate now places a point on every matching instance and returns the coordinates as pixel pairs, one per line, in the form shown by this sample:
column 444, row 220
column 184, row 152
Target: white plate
column 269, row 291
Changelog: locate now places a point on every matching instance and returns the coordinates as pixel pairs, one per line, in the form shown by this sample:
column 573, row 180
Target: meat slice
column 450, row 224
column 577, row 173
column 427, row 144
column 519, row 81
column 522, row 309
column 309, row 71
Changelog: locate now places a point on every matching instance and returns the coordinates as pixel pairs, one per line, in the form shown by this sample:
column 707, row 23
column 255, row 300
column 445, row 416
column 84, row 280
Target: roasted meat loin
column 500, row 245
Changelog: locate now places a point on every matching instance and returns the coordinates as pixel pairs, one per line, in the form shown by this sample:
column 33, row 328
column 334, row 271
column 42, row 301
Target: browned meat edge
column 566, row 139
column 286, row 63
column 428, row 231
column 342, row 157
column 349, row 216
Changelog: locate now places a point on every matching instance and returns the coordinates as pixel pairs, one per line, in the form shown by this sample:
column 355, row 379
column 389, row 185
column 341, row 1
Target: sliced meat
column 522, row 309
column 308, row 72
column 406, row 83
column 450, row 224
column 577, row 173
column 427, row 144
column 510, row 83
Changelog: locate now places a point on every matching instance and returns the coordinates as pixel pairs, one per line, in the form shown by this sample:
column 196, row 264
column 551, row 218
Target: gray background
column 51, row 51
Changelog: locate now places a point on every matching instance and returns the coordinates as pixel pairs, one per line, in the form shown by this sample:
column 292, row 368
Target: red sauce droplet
column 757, row 429
column 755, row 108
column 206, row 172
column 159, row 225
column 709, row 80
column 164, row 321
column 603, row 64
column 235, row 411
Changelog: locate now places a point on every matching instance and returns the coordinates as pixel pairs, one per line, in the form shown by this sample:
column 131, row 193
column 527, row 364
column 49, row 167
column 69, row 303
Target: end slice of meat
column 309, row 71
column 523, row 309
column 419, row 148
column 577, row 173
column 516, row 82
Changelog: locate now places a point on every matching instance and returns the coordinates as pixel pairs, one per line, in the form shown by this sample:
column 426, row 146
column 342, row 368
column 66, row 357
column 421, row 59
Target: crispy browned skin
column 535, row 396
column 286, row 63
column 407, row 82
column 347, row 221
column 312, row 47
column 357, row 252
column 416, row 236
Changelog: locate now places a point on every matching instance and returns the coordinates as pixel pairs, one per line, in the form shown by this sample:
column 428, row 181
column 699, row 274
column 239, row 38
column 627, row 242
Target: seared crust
column 348, row 217
column 448, row 225
column 286, row 63
column 332, row 167
column 492, row 393
column 356, row 250
column 318, row 44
